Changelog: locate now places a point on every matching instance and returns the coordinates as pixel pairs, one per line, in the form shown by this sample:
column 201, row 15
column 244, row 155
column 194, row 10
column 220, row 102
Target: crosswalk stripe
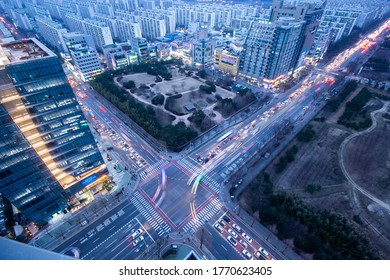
column 149, row 213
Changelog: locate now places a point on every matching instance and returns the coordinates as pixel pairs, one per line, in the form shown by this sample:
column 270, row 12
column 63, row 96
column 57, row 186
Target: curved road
column 343, row 168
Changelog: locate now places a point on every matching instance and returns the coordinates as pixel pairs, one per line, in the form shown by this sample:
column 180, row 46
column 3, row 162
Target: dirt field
column 323, row 168
column 334, row 117
column 367, row 160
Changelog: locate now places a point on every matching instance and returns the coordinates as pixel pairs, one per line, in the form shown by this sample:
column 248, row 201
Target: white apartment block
column 110, row 22
column 166, row 4
column 126, row 5
column 84, row 55
column 52, row 32
column 37, row 10
column 85, row 10
column 20, row 18
column 100, row 33
column 105, row 8
column 152, row 27
column 127, row 30
column 168, row 15
column 271, row 49
column 74, row 23
column 339, row 21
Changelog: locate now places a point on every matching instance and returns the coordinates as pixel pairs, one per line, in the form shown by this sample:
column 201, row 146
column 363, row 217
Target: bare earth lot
column 321, row 169
column 367, row 158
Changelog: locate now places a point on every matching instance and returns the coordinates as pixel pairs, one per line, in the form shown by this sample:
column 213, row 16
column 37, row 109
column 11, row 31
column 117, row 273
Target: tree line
column 355, row 116
column 322, row 233
column 334, row 104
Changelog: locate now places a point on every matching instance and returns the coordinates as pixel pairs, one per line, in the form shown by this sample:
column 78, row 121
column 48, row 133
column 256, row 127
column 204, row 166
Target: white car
column 247, row 255
column 247, row 237
column 233, row 233
column 243, row 243
column 137, row 233
column 236, row 227
column 232, row 240
column 218, row 227
column 263, row 252
column 138, row 240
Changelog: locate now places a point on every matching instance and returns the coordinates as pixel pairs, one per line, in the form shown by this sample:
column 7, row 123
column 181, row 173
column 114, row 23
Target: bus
column 117, row 168
column 223, row 137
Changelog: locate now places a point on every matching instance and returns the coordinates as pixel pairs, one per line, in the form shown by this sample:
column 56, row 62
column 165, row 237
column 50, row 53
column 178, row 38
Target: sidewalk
column 72, row 223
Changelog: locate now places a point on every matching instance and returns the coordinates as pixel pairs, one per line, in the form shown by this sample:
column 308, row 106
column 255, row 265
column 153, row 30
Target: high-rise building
column 310, row 12
column 47, row 150
column 99, row 31
column 84, row 55
column 271, row 48
column 51, row 32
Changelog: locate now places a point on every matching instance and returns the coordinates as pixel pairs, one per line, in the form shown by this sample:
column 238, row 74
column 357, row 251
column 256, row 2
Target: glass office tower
column 47, row 151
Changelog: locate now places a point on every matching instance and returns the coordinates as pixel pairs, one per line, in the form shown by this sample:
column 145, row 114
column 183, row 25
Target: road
column 187, row 191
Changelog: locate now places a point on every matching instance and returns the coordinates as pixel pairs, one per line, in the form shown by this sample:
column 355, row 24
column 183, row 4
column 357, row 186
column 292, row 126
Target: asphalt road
column 182, row 194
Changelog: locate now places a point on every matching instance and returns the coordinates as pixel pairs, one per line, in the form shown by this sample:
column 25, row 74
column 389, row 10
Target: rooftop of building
column 22, row 50
column 49, row 22
column 13, row 250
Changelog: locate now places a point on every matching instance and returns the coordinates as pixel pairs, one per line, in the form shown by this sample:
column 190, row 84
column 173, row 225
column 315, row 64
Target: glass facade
column 46, row 147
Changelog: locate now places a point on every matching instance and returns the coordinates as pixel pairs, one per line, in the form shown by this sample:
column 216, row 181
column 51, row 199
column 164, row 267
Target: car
column 197, row 158
column 236, row 227
column 247, row 255
column 138, row 240
column 226, row 218
column 243, row 243
column 218, row 227
column 223, row 223
column 233, row 233
column 232, row 240
column 263, row 252
column 259, row 255
column 137, row 233
column 247, row 237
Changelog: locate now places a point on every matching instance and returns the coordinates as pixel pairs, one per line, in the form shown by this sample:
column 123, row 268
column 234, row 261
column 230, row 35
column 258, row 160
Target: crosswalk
column 210, row 182
column 204, row 215
column 152, row 169
column 150, row 214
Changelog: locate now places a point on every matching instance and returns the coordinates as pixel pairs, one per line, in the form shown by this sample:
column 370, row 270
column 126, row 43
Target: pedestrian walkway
column 150, row 214
column 152, row 169
column 70, row 224
column 210, row 182
column 203, row 216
